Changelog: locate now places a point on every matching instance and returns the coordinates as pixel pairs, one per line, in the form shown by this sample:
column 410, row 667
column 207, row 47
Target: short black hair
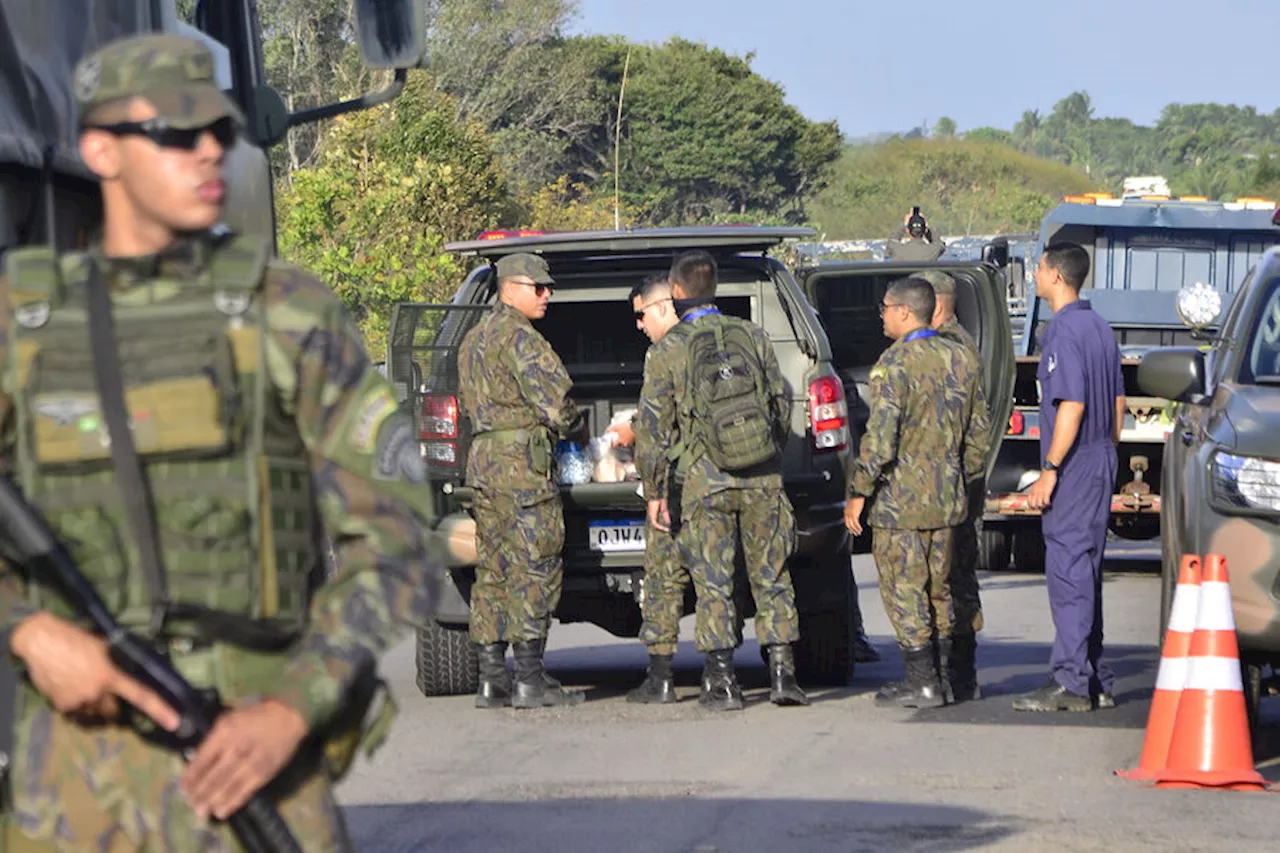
column 696, row 273
column 917, row 294
column 1070, row 260
column 645, row 288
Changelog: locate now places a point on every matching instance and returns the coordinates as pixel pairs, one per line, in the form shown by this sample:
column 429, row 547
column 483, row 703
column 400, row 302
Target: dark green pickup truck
column 824, row 354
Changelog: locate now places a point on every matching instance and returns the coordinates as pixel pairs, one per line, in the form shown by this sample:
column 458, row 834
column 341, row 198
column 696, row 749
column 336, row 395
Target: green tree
column 945, row 128
column 508, row 66
column 389, row 186
column 705, row 137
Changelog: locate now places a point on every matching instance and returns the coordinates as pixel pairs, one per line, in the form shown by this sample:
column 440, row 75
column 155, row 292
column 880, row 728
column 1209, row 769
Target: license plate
column 616, row 535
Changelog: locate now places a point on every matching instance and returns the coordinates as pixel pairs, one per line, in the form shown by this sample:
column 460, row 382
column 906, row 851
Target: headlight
column 1245, row 482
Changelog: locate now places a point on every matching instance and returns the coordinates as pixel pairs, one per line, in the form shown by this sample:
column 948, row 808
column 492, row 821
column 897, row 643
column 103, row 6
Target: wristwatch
column 1050, row 466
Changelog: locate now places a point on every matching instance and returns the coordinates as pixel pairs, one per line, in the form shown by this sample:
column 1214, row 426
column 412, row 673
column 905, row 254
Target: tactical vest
column 236, row 523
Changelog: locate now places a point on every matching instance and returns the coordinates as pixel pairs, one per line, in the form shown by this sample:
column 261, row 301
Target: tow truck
column 1144, row 247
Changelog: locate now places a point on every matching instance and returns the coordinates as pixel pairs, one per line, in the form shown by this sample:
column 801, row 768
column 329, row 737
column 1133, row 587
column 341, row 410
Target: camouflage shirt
column 953, row 331
column 926, row 438
column 387, row 575
column 663, row 420
column 510, row 379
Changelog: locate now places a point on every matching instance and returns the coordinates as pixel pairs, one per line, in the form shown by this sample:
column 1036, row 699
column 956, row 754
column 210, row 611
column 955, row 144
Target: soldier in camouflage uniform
column 515, row 390
column 665, row 577
column 717, row 510
column 926, row 438
column 965, row 596
column 256, row 413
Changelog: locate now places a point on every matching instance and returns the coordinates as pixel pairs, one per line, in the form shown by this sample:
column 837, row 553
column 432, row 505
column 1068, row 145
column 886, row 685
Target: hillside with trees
column 511, row 122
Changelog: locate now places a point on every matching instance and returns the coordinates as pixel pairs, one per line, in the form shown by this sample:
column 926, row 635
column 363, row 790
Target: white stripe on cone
column 1214, row 673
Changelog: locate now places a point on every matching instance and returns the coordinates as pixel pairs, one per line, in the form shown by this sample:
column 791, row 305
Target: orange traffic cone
column 1172, row 674
column 1210, row 747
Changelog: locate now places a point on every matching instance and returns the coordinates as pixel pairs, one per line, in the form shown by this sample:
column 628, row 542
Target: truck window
column 1167, row 269
column 601, row 339
column 1261, row 364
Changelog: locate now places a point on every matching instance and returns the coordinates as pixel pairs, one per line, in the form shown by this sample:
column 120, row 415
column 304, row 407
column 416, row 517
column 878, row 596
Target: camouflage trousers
column 103, row 789
column 711, row 528
column 966, row 600
column 665, row 582
column 521, row 570
column 914, row 567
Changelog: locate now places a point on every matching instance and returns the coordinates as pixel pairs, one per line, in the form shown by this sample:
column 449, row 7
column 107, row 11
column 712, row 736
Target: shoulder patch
column 877, row 372
column 372, row 415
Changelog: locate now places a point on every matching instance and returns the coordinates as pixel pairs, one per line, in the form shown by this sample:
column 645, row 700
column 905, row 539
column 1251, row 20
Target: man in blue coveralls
column 1082, row 409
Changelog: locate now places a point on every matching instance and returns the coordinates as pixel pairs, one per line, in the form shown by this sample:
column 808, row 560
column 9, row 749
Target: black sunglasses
column 538, row 289
column 184, row 138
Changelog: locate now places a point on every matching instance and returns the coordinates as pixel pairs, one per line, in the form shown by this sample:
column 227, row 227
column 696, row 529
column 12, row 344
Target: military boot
column 889, row 694
column 783, row 687
column 863, row 651
column 963, row 670
column 720, row 690
column 534, row 688
column 944, row 669
column 922, row 689
column 495, row 678
column 659, row 685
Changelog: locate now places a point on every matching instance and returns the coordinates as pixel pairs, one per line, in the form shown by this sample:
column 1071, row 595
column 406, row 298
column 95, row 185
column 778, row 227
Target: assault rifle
column 27, row 541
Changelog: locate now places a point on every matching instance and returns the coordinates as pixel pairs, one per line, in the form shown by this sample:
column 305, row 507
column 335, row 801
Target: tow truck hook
column 1137, row 492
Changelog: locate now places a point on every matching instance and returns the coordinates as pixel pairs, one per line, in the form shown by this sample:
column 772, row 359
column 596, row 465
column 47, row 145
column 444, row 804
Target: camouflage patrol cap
column 943, row 284
column 174, row 73
column 525, row 264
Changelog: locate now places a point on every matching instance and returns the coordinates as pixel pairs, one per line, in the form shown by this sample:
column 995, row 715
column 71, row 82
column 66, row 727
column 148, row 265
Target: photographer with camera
column 916, row 241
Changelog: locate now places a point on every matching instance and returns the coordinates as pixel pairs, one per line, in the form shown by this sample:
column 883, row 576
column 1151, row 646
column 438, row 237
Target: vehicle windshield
column 1262, row 352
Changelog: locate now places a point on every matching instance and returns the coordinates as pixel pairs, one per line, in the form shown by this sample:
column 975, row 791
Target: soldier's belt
column 514, row 436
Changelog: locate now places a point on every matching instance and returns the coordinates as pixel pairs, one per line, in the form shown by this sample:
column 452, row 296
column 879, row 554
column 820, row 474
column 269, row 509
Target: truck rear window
column 601, row 338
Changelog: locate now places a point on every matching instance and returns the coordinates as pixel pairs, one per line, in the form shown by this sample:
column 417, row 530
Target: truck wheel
column 1028, row 551
column 447, row 661
column 824, row 653
column 1251, row 677
column 993, row 548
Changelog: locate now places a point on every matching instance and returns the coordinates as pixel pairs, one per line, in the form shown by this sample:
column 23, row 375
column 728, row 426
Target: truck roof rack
column 739, row 238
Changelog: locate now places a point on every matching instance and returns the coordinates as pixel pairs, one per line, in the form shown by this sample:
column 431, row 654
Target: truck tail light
column 1016, row 424
column 438, row 430
column 828, row 414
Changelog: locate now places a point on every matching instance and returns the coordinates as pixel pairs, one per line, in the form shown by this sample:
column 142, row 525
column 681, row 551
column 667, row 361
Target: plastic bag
column 572, row 464
column 607, row 467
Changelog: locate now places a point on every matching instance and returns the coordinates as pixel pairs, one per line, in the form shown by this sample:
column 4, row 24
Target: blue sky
column 889, row 65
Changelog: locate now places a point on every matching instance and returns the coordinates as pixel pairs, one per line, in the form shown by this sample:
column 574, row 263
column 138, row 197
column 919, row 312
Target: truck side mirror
column 996, row 253
column 391, row 33
column 1174, row 373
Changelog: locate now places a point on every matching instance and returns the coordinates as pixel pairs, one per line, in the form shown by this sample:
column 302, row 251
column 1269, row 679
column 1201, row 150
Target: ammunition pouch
column 354, row 729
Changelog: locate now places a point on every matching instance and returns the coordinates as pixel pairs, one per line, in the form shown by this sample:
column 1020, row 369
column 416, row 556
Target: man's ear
column 101, row 153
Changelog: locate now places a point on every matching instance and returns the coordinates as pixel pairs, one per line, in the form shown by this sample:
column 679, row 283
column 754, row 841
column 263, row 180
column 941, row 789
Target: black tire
column 993, row 548
column 824, row 653
column 1251, row 677
column 1028, row 551
column 446, row 660
column 1170, row 553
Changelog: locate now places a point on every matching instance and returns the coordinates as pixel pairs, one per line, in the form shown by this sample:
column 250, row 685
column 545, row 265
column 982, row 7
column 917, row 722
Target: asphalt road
column 840, row 775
